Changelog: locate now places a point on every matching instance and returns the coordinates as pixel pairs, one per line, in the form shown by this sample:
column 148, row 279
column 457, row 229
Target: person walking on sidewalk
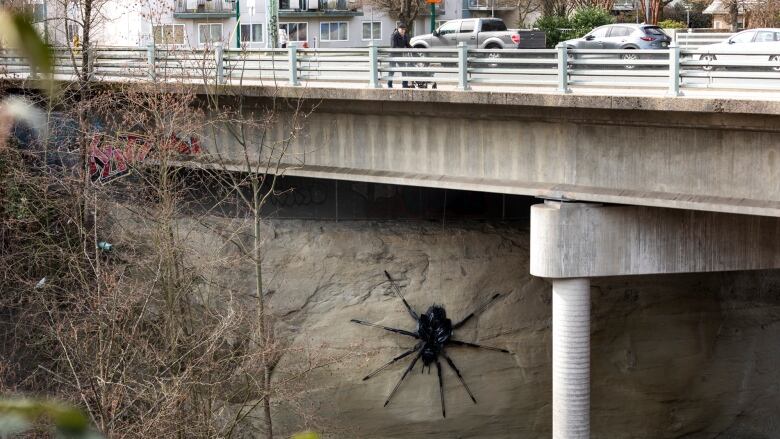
column 399, row 40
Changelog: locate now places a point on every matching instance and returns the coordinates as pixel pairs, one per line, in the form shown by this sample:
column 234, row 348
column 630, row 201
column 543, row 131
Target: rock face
column 691, row 356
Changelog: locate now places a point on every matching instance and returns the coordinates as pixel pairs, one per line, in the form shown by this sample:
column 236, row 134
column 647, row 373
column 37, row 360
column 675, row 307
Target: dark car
column 623, row 36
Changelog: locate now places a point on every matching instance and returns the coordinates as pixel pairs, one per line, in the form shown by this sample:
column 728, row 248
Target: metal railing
column 205, row 6
column 696, row 40
column 628, row 72
column 492, row 4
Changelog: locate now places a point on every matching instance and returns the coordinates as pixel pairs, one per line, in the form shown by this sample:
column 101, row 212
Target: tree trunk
column 256, row 201
column 734, row 15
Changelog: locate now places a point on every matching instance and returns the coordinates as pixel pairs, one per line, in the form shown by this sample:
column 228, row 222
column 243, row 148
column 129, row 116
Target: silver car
column 623, row 36
column 757, row 45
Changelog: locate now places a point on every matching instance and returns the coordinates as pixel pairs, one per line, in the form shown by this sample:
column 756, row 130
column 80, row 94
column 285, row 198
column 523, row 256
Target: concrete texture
column 571, row 358
column 707, row 154
column 674, row 356
column 586, row 240
column 714, row 161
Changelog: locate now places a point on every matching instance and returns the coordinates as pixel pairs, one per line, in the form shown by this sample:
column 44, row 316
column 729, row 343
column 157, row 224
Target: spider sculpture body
column 434, row 333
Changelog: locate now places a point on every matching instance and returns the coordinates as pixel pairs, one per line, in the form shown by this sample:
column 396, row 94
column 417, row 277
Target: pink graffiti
column 113, row 158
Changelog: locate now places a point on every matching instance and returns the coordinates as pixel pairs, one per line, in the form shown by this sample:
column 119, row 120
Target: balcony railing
column 624, row 5
column 487, row 5
column 320, row 8
column 204, row 8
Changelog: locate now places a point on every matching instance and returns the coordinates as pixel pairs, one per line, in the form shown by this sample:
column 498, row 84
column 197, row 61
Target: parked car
column 738, row 47
column 480, row 33
column 623, row 36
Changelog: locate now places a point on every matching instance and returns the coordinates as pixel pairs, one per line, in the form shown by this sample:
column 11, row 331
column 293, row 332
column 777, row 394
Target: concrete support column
column 571, row 358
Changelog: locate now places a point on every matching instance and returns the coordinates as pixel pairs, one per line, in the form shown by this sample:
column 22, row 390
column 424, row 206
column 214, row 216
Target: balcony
column 624, row 5
column 492, row 5
column 320, row 8
column 204, row 9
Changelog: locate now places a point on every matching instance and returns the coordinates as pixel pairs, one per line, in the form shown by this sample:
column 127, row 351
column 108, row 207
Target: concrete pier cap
column 575, row 240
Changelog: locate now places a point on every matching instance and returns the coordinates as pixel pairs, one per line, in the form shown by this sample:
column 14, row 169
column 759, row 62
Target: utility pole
column 433, row 13
column 238, row 24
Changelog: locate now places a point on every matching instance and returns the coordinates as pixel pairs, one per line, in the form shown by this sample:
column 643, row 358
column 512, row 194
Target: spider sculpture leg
column 398, row 293
column 386, row 328
column 406, row 372
column 441, row 388
column 460, row 377
column 476, row 311
column 474, row 345
column 404, row 355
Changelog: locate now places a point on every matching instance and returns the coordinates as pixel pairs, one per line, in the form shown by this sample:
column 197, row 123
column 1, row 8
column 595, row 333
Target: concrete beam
column 574, row 240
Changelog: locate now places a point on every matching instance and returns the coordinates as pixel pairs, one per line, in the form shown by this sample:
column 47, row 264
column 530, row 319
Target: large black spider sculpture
column 434, row 332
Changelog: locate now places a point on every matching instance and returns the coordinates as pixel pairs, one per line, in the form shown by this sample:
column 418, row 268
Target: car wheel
column 775, row 59
column 629, row 57
column 708, row 58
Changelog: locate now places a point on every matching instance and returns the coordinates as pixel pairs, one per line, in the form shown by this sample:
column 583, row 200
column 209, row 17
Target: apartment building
column 200, row 23
column 315, row 23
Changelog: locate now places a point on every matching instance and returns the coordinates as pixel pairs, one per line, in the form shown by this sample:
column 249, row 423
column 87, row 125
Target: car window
column 493, row 26
column 449, row 27
column 620, row 31
column 744, row 37
column 654, row 30
column 765, row 36
column 599, row 32
column 467, row 26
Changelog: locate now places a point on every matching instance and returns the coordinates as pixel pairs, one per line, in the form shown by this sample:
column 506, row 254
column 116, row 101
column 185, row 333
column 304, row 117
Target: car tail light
column 516, row 38
column 647, row 39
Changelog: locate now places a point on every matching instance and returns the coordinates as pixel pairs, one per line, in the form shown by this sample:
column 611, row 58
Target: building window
column 251, row 33
column 336, row 31
column 72, row 31
column 38, row 12
column 372, row 30
column 168, row 34
column 296, row 31
column 209, row 33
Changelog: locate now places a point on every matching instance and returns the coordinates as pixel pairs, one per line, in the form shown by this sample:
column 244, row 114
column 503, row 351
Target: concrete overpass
column 635, row 185
column 717, row 155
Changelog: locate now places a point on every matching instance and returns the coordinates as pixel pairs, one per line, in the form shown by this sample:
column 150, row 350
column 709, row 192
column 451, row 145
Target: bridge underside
column 711, row 160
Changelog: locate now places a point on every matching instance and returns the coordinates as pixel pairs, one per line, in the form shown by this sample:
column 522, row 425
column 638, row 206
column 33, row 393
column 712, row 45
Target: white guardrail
column 638, row 72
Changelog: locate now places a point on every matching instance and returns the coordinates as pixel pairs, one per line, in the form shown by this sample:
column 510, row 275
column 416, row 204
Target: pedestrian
column 282, row 38
column 399, row 40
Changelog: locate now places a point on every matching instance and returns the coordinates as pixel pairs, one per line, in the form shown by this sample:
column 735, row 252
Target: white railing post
column 219, row 59
column 150, row 61
column 674, row 70
column 293, row 50
column 563, row 68
column 463, row 66
column 373, row 60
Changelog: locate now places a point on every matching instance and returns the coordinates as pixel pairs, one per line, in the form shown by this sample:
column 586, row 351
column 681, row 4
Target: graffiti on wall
column 112, row 158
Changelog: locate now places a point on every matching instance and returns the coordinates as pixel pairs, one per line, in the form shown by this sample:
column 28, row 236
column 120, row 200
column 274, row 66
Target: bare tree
column 525, row 8
column 560, row 8
column 606, row 5
column 405, row 11
column 764, row 13
column 106, row 300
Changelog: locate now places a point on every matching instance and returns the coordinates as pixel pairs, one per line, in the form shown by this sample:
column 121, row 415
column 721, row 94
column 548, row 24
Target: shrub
column 587, row 18
column 555, row 27
column 671, row 24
